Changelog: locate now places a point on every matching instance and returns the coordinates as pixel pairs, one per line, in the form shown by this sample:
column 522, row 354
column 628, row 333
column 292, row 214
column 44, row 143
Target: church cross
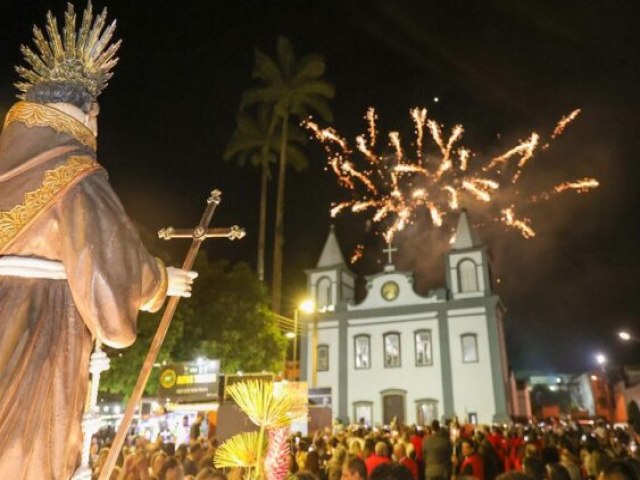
column 390, row 251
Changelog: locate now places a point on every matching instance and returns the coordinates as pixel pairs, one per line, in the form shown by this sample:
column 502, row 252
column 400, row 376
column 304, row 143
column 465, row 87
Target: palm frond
column 318, row 105
column 266, row 69
column 321, row 88
column 239, row 451
column 265, row 95
column 286, row 56
column 297, row 158
column 257, row 399
column 308, row 68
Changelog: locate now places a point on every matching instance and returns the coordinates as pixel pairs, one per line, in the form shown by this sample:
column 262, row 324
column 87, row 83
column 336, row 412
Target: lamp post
column 290, row 336
column 309, row 307
column 295, row 343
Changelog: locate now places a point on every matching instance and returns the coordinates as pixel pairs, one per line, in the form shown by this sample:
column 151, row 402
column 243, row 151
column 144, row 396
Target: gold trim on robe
column 55, row 181
column 37, row 115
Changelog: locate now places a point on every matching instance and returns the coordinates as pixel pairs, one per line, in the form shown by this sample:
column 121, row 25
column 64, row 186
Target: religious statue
column 72, row 266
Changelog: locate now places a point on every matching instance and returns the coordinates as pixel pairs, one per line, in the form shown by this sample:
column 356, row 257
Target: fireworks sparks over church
column 435, row 174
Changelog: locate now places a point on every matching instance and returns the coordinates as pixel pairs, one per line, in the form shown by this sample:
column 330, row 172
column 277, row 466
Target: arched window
column 423, row 347
column 467, row 276
column 323, row 292
column 469, row 347
column 391, row 349
column 362, row 344
column 323, row 358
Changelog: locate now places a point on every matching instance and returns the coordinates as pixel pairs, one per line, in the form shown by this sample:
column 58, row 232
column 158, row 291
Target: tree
column 126, row 364
column 227, row 318
column 292, row 88
column 231, row 320
column 256, row 140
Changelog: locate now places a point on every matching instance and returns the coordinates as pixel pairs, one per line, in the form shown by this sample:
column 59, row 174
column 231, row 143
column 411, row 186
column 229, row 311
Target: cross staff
column 198, row 235
column 231, row 233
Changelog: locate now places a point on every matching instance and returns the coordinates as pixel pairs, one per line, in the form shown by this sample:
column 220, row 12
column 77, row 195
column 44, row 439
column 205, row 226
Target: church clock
column 390, row 291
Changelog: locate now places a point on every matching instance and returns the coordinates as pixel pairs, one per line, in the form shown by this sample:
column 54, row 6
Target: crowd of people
column 545, row 451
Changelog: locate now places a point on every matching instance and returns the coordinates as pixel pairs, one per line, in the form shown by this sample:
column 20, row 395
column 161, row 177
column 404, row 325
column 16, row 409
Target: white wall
column 472, row 382
column 419, row 382
column 406, row 296
column 327, row 334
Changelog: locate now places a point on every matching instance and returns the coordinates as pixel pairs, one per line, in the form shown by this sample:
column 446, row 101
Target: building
column 399, row 354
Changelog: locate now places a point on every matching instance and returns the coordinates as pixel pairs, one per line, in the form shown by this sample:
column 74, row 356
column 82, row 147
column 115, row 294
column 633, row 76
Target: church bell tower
column 468, row 269
column 331, row 284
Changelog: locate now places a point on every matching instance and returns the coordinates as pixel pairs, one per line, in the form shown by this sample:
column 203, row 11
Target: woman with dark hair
column 171, row 470
column 312, row 463
column 555, row 471
column 627, row 469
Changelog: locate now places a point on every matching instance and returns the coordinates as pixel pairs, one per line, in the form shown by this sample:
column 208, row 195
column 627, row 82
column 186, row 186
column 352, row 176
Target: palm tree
column 292, row 88
column 255, row 140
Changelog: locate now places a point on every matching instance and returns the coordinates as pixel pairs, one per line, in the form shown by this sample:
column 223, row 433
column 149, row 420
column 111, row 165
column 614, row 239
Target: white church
column 400, row 354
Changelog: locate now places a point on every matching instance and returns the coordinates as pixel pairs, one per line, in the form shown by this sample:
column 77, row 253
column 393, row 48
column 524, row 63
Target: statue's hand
column 180, row 282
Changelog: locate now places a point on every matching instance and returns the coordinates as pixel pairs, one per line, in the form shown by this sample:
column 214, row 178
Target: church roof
column 465, row 235
column 331, row 254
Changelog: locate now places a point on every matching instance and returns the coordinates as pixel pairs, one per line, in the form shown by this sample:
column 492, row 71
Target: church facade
column 403, row 355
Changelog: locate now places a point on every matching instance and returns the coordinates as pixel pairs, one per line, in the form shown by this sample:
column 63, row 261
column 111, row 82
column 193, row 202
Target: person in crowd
column 380, row 456
column 306, row 475
column 472, row 464
column 493, row 465
column 532, row 464
column 570, row 462
column 555, row 471
column 627, row 469
column 312, row 464
column 333, row 470
column 354, row 469
column 400, row 456
column 533, row 467
column 156, row 462
column 210, row 474
column 190, row 464
column 194, row 431
column 436, row 454
column 171, row 470
column 513, row 475
column 390, row 471
column 355, row 449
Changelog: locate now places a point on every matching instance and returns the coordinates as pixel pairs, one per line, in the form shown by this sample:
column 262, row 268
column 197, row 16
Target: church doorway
column 393, row 406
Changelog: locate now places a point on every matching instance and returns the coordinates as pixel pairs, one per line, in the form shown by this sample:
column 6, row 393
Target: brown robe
column 47, row 326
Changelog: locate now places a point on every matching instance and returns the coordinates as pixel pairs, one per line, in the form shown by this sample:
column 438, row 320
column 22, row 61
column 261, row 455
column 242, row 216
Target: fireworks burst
column 396, row 189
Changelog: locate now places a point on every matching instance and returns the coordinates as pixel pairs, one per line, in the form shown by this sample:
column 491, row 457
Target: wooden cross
column 198, row 235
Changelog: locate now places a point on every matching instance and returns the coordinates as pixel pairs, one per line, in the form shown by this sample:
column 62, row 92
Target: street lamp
column 309, row 307
column 601, row 359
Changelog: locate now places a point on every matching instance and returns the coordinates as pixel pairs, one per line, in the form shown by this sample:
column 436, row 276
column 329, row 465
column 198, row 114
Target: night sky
column 501, row 68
